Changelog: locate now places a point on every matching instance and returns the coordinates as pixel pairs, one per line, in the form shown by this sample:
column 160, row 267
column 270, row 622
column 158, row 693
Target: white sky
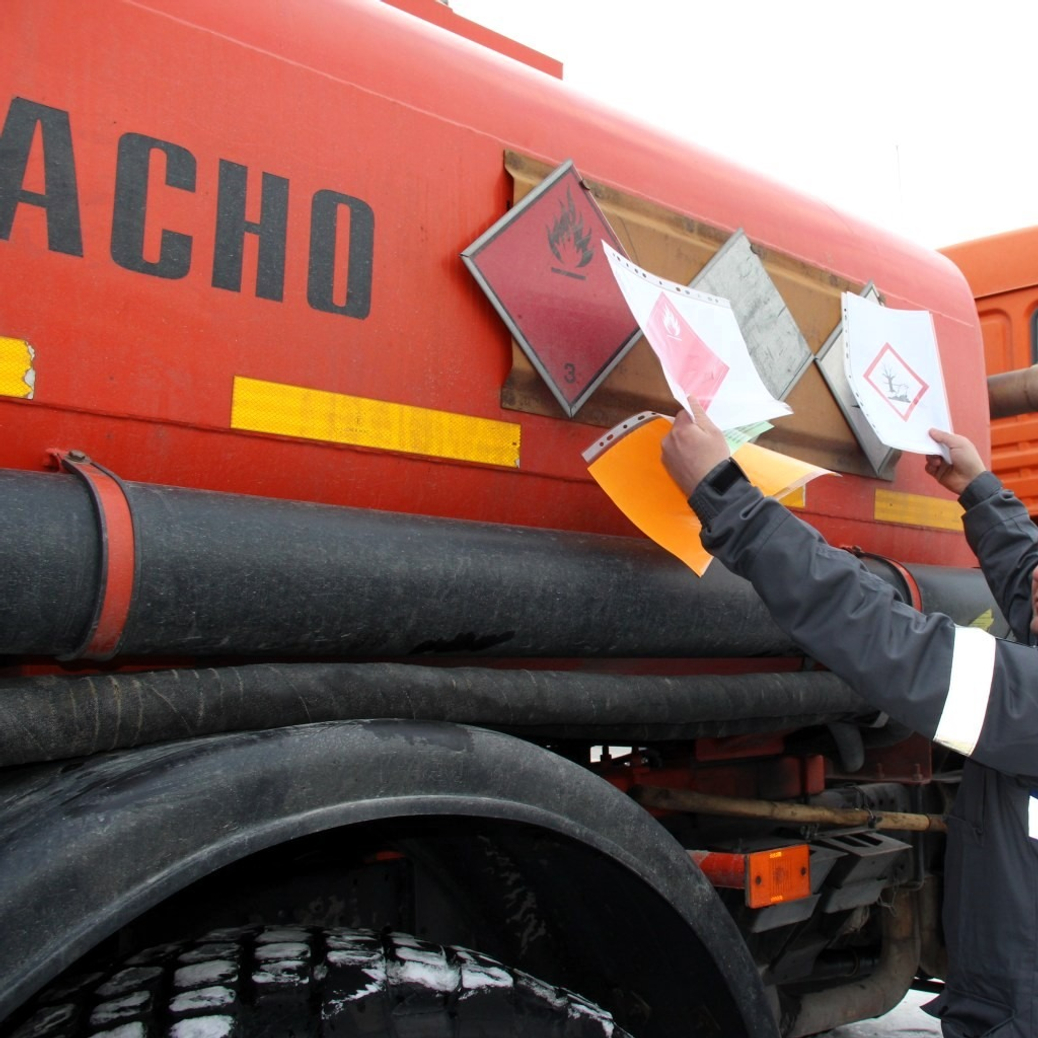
column 917, row 115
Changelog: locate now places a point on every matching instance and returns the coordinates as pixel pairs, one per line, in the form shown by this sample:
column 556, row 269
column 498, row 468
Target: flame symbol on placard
column 567, row 239
column 671, row 324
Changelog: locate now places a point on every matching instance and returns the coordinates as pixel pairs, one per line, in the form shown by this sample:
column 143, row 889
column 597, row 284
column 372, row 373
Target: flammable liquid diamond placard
column 542, row 267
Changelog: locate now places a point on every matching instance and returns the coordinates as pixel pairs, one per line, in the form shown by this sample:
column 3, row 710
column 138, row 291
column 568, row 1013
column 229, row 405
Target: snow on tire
column 255, row 981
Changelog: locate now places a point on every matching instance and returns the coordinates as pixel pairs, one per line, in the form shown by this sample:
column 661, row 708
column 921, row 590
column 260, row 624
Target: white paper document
column 894, row 370
column 699, row 345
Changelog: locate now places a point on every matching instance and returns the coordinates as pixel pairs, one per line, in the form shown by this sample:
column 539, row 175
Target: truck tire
column 306, row 982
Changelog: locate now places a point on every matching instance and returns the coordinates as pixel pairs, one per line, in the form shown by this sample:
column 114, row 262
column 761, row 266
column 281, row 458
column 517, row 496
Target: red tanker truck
column 336, row 696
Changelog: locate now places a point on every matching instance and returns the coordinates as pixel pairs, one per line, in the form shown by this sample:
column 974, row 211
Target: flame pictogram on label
column 695, row 366
column 569, row 240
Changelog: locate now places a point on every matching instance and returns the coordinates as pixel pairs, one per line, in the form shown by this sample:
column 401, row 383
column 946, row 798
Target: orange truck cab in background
column 1002, row 271
column 322, row 657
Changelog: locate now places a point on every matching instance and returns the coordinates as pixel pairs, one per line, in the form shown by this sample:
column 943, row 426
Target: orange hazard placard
column 626, row 463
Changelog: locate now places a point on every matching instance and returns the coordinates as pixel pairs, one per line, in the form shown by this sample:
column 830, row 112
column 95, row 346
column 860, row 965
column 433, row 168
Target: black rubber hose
column 54, row 718
column 235, row 576
column 229, row 575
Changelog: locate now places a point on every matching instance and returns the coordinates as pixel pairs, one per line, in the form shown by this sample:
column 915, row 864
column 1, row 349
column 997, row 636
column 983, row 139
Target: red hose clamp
column 118, row 555
column 915, row 596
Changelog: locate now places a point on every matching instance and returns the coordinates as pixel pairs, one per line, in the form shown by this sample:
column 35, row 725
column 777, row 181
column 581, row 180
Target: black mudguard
column 90, row 846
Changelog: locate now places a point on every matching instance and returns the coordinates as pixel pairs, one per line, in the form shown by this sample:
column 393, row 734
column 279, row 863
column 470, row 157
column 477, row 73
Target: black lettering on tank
column 321, row 280
column 131, row 206
column 60, row 198
column 231, row 228
column 333, row 286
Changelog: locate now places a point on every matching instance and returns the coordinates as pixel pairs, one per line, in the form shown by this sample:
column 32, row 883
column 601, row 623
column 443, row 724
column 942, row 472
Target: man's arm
column 958, row 686
column 998, row 529
column 1005, row 540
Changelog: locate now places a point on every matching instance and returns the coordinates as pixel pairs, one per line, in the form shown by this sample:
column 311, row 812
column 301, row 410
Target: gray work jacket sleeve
column 1005, row 540
column 959, row 686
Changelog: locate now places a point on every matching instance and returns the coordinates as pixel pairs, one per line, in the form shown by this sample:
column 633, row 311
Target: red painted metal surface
column 779, row 777
column 140, row 319
column 909, row 761
column 439, row 13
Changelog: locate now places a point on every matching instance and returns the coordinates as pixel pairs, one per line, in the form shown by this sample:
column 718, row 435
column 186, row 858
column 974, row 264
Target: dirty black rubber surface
column 305, row 981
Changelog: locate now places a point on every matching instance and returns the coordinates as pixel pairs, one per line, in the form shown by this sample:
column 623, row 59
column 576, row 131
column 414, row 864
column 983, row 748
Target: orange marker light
column 765, row 877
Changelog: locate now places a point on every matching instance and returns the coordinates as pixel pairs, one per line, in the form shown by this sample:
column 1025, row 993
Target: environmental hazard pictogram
column 893, row 379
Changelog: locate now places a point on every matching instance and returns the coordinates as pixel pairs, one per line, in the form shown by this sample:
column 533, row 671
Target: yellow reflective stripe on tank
column 315, row 414
column 969, row 689
column 17, row 374
column 934, row 513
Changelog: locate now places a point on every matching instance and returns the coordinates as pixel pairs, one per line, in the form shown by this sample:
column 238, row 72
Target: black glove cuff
column 708, row 498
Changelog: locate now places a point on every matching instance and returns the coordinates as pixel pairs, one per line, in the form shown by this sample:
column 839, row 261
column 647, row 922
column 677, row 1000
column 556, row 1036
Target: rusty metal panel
column 776, row 345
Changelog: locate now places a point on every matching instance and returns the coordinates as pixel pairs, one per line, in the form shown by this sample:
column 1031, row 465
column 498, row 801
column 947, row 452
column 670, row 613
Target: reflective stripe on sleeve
column 969, row 689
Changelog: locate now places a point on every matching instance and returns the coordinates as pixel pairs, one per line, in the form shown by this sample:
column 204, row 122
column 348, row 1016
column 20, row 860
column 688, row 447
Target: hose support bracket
column 118, row 563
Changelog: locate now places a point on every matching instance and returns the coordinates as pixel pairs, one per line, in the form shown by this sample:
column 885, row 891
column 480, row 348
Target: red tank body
column 150, row 123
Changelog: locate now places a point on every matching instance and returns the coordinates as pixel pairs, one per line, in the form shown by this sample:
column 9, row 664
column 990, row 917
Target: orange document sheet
column 627, row 465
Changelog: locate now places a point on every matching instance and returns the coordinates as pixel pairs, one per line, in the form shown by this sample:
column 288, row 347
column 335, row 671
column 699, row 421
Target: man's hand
column 965, row 463
column 692, row 448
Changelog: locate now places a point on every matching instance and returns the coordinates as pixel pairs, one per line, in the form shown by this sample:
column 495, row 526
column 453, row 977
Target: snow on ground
column 906, row 1020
